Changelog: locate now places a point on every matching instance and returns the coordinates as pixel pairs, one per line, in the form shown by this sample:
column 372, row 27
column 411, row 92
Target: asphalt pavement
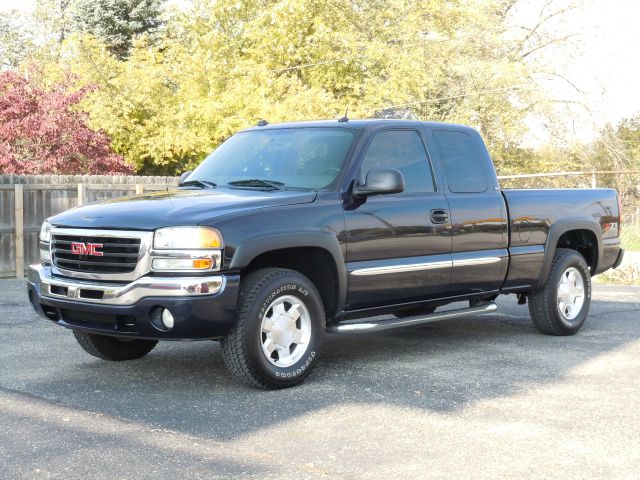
column 480, row 397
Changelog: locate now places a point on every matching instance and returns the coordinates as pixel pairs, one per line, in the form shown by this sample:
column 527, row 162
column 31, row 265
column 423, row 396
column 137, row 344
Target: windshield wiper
column 258, row 183
column 198, row 183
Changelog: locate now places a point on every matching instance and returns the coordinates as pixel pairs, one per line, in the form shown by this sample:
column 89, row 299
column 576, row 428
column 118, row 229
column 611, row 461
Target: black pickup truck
column 288, row 231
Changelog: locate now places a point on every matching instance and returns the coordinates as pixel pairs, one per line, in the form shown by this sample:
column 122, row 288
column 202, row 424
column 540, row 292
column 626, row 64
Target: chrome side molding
column 467, row 262
column 415, row 267
column 364, row 327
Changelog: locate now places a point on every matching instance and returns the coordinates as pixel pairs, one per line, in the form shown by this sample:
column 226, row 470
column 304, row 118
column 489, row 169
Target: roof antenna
column 262, row 123
column 345, row 118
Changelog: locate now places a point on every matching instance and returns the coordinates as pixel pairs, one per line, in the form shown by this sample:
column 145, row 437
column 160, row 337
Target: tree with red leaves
column 41, row 132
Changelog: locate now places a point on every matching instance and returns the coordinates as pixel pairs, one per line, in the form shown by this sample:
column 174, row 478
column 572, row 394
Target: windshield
column 308, row 158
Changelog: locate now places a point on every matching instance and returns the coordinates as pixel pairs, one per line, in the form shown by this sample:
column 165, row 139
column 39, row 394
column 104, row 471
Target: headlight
column 45, row 239
column 187, row 238
column 45, row 232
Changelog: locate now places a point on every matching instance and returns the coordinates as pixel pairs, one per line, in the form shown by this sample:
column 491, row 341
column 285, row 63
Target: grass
column 628, row 274
column 631, row 237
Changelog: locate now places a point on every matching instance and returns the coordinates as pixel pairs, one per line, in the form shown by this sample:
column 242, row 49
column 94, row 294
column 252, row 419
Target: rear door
column 398, row 245
column 479, row 228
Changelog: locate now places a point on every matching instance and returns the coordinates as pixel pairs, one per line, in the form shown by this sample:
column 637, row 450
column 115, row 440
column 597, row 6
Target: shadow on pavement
column 185, row 387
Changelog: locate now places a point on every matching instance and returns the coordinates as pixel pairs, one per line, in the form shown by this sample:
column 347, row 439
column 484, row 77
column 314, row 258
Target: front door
column 398, row 245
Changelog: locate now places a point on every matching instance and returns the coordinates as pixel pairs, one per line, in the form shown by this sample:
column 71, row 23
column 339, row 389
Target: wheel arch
column 317, row 255
column 580, row 234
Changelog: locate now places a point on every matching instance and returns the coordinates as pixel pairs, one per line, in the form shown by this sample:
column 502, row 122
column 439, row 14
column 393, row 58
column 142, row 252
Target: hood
column 173, row 208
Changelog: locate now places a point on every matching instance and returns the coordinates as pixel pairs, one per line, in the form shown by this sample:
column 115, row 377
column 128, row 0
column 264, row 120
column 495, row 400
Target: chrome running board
column 364, row 327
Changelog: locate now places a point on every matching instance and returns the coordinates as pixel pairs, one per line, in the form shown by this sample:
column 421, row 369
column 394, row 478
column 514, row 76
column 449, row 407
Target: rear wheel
column 113, row 348
column 279, row 332
column 562, row 305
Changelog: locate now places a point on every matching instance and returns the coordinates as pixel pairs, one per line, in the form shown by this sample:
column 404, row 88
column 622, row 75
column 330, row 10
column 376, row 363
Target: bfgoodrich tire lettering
column 547, row 305
column 244, row 349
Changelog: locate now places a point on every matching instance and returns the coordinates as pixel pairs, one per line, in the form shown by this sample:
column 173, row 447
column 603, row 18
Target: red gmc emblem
column 79, row 248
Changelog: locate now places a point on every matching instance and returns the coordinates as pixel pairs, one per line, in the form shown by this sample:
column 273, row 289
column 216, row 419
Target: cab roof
column 360, row 124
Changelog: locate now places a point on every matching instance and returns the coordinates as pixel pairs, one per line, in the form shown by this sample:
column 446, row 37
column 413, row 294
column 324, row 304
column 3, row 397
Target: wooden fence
column 26, row 200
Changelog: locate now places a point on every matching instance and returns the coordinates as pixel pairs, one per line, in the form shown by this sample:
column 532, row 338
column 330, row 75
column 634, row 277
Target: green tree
column 221, row 65
column 117, row 22
column 16, row 42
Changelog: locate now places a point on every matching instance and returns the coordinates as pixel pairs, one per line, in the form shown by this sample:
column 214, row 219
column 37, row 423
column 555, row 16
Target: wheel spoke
column 278, row 309
column 562, row 305
column 570, row 309
column 267, row 324
column 294, row 311
column 269, row 345
column 283, row 354
column 297, row 337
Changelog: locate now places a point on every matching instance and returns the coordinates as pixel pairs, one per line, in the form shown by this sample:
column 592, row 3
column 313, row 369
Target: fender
column 252, row 248
column 556, row 231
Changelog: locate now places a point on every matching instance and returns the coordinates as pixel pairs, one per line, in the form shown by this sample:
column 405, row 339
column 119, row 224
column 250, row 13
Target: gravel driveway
column 483, row 397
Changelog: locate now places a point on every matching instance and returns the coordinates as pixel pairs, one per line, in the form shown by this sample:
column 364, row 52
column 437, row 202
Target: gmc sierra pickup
column 288, row 231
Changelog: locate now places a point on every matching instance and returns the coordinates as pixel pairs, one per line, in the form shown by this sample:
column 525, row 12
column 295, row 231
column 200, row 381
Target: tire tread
column 542, row 302
column 234, row 350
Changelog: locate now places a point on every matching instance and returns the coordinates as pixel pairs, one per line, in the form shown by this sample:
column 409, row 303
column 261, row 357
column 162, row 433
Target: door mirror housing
column 185, row 175
column 381, row 181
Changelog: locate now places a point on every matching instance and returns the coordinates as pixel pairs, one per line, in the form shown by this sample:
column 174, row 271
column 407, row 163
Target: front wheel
column 562, row 305
column 279, row 331
column 113, row 348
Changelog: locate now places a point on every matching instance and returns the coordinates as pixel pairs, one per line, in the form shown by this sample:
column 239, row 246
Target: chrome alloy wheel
column 570, row 293
column 285, row 331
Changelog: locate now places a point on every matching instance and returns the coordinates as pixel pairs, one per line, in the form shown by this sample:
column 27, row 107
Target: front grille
column 119, row 255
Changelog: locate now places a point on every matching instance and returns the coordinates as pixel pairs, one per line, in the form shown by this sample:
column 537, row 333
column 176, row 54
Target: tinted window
column 309, row 158
column 404, row 151
column 463, row 165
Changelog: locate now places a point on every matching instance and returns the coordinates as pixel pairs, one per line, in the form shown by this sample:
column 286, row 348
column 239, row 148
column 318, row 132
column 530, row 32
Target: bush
column 42, row 131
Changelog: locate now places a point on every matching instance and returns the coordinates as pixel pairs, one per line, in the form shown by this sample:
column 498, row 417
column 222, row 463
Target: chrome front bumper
column 121, row 294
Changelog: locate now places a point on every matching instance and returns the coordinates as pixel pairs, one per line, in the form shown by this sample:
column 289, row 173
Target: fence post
column 19, row 225
column 594, row 179
column 81, row 194
column 139, row 188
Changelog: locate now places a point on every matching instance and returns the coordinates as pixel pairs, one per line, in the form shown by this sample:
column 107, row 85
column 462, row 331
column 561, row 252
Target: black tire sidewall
column 298, row 287
column 572, row 260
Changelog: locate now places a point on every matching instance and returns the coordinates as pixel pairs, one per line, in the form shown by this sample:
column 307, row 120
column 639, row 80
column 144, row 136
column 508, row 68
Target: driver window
column 404, row 151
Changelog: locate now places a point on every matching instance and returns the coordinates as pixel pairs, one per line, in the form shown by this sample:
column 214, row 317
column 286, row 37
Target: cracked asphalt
column 480, row 397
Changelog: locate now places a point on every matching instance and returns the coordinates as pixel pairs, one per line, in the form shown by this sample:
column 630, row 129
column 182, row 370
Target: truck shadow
column 439, row 367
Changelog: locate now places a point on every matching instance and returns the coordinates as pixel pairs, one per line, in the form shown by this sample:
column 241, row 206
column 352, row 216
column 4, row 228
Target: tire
column 113, row 348
column 414, row 311
column 552, row 310
column 265, row 324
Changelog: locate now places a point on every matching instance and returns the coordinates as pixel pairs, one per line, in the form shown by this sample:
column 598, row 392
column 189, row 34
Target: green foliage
column 631, row 237
column 15, row 40
column 117, row 22
column 222, row 65
column 167, row 99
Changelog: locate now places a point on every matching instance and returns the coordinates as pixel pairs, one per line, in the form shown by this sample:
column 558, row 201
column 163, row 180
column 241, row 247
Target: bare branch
column 546, row 44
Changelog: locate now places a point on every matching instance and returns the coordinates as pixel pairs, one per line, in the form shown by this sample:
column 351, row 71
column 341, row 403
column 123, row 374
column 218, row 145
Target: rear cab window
column 463, row 163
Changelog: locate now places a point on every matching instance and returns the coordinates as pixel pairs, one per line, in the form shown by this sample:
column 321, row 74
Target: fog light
column 162, row 319
column 167, row 319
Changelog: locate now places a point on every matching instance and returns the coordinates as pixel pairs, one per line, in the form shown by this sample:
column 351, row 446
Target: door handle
column 439, row 215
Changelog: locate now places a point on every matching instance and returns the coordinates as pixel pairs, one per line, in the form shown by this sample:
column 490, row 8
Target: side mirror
column 380, row 182
column 185, row 175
